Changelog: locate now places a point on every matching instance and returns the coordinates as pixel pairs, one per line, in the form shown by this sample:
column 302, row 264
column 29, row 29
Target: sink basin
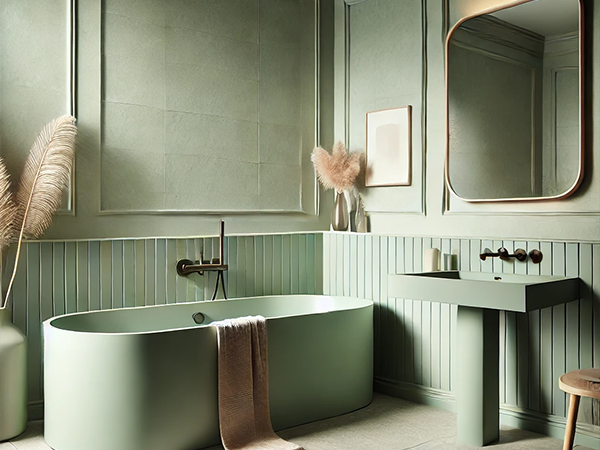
column 506, row 292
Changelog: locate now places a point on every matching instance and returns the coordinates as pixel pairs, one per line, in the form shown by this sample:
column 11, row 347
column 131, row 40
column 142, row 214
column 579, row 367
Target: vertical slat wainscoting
column 64, row 277
column 415, row 340
column 412, row 337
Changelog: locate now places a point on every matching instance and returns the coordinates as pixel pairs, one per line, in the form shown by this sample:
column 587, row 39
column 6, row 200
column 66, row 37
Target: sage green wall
column 34, row 89
column 202, row 98
column 34, row 73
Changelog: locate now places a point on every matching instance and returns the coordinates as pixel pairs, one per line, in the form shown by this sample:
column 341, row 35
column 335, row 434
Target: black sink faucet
column 503, row 254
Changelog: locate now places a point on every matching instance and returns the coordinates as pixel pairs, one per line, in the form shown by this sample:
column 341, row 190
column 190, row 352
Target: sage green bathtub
column 146, row 378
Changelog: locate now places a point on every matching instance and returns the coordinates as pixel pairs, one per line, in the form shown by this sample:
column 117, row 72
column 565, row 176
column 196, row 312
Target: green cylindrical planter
column 13, row 378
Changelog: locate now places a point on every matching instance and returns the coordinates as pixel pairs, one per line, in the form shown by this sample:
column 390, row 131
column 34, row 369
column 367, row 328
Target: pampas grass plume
column 47, row 172
column 337, row 170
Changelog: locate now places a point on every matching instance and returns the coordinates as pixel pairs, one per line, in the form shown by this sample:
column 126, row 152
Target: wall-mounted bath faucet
column 187, row 266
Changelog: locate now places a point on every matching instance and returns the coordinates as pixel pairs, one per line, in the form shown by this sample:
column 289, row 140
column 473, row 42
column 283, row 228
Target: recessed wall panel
column 385, row 69
column 35, row 77
column 225, row 92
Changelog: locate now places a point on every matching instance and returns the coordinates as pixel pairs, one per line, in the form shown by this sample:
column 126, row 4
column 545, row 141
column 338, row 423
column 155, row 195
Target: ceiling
column 544, row 17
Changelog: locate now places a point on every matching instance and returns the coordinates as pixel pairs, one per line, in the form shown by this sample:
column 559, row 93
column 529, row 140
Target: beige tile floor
column 386, row 424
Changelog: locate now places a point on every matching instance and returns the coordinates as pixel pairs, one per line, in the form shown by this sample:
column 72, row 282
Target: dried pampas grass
column 8, row 209
column 46, row 174
column 337, row 170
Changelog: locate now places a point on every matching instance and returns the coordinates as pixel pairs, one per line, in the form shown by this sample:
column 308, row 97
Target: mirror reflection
column 513, row 103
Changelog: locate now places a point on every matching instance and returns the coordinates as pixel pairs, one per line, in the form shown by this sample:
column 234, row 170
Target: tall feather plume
column 336, row 171
column 7, row 209
column 45, row 176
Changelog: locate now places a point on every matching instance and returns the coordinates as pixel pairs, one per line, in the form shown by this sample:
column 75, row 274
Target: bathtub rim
column 49, row 323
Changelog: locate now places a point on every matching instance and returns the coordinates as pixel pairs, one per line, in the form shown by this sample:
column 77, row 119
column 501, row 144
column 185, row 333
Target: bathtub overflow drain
column 198, row 317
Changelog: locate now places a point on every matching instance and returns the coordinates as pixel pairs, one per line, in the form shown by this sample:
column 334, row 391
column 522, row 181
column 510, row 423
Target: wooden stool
column 578, row 383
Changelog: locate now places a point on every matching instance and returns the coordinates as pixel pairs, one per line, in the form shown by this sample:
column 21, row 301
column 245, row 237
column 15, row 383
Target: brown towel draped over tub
column 244, row 416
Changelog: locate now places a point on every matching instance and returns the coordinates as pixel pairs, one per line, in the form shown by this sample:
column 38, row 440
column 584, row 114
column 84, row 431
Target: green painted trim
column 416, row 393
column 35, row 410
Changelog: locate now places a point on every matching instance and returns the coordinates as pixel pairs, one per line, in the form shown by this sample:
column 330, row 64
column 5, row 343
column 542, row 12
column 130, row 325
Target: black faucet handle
column 181, row 266
column 520, row 254
column 536, row 256
column 503, row 253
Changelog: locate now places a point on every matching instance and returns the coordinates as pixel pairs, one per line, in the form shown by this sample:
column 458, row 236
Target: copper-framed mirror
column 514, row 102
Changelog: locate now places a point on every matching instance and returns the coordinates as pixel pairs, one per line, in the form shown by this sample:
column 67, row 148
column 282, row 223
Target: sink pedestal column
column 477, row 377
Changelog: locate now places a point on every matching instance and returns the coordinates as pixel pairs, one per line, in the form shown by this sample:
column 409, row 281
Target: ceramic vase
column 13, row 378
column 339, row 216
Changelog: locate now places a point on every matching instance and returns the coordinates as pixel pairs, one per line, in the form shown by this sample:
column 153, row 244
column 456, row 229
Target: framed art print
column 388, row 150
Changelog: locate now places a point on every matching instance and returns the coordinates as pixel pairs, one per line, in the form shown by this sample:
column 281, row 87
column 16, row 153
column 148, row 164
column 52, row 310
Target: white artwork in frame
column 389, row 147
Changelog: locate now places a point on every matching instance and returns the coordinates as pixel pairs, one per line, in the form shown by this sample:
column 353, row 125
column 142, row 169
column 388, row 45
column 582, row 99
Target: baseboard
column 587, row 435
column 549, row 425
column 35, row 410
column 416, row 393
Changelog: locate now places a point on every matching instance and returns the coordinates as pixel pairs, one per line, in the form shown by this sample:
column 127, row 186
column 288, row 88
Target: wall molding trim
column 516, row 212
column 301, row 199
column 574, row 35
column 505, row 26
column 491, row 54
column 343, row 18
column 71, row 101
column 69, row 208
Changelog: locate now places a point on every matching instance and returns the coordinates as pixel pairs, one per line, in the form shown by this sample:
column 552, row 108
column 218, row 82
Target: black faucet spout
column 487, row 253
column 503, row 254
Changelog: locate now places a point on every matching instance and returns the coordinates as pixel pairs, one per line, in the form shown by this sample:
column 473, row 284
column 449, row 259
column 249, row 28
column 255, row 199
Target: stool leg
column 571, row 422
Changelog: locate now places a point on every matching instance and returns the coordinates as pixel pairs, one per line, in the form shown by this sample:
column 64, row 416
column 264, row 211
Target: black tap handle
column 520, row 254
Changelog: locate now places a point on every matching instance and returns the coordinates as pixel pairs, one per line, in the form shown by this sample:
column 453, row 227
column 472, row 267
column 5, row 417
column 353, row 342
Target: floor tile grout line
column 430, row 440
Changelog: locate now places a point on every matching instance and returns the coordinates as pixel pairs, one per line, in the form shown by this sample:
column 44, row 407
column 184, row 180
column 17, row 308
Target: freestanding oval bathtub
column 146, row 378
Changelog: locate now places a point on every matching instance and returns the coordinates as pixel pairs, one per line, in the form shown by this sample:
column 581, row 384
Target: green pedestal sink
column 480, row 297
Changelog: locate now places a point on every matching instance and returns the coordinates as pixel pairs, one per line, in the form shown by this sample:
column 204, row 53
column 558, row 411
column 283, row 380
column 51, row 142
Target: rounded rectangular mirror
column 514, row 102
